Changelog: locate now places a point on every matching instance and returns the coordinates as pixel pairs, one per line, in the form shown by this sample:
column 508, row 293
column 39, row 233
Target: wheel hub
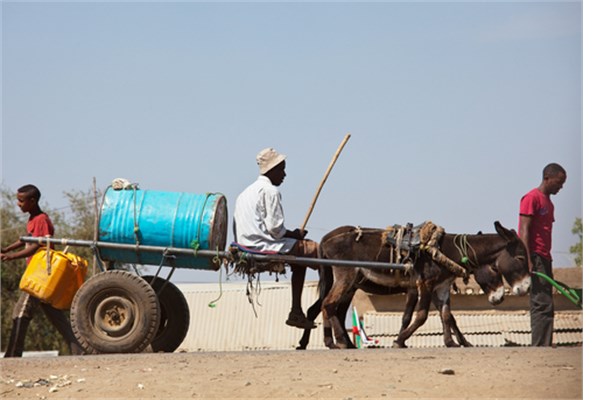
column 115, row 316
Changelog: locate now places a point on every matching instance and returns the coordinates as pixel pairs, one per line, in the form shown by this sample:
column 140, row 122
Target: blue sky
column 453, row 108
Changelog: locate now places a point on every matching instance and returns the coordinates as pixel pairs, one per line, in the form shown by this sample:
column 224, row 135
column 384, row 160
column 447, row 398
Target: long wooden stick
column 331, row 164
column 94, row 262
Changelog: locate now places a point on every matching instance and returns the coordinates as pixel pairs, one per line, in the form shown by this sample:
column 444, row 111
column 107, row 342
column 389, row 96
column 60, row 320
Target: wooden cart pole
column 94, row 262
column 331, row 164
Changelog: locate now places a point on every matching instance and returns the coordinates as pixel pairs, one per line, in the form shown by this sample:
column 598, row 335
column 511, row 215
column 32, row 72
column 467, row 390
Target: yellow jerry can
column 54, row 277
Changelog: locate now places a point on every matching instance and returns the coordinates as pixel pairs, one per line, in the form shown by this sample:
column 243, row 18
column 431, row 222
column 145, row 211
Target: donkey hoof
column 397, row 345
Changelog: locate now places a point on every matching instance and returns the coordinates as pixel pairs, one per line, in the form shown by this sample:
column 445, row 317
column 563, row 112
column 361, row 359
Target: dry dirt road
column 465, row 373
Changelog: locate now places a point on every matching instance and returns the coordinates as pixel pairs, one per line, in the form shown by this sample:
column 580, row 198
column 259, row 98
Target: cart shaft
column 225, row 255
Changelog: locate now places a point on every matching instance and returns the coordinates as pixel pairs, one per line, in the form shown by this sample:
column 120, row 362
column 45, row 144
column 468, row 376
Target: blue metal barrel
column 164, row 219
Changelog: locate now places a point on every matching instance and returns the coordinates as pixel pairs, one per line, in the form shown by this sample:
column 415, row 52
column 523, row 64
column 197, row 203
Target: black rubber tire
column 115, row 312
column 174, row 316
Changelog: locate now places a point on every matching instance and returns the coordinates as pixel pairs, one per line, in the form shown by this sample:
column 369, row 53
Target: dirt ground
column 475, row 373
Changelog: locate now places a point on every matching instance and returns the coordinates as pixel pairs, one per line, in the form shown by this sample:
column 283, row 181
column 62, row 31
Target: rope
column 96, row 251
column 359, row 232
column 196, row 241
column 48, row 256
column 463, row 247
column 165, row 255
column 244, row 265
column 136, row 227
column 175, row 214
column 213, row 303
column 195, row 245
column 253, row 293
column 399, row 236
column 216, row 259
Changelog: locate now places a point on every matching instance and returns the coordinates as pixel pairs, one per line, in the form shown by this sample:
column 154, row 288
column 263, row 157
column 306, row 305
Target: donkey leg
column 338, row 323
column 332, row 328
column 448, row 321
column 461, row 338
column 442, row 303
column 330, row 320
column 327, row 310
column 341, row 316
column 409, row 308
column 343, row 282
column 412, row 296
column 422, row 313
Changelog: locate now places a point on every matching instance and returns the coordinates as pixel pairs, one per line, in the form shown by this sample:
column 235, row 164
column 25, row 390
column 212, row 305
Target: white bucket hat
column 267, row 159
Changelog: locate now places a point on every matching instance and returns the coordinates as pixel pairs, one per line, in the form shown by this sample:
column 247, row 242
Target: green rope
column 213, row 303
column 216, row 259
column 463, row 249
column 195, row 245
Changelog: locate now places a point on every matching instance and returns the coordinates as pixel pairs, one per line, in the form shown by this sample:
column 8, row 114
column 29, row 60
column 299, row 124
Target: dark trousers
column 307, row 249
column 24, row 311
column 541, row 303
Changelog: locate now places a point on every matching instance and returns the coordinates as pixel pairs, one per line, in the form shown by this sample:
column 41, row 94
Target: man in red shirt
column 38, row 225
column 536, row 216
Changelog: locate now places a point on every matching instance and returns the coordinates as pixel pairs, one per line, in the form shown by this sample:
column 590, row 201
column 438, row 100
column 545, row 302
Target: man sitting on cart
column 258, row 224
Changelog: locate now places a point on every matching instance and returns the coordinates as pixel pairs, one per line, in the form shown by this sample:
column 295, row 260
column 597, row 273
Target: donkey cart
column 117, row 311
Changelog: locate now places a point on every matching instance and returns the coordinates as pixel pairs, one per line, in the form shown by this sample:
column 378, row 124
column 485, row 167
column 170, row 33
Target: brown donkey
column 489, row 257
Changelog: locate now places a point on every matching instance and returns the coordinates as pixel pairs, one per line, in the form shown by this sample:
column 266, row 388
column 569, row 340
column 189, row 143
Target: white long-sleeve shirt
column 258, row 220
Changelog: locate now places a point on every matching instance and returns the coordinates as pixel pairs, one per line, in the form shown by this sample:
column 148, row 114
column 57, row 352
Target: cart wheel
column 115, row 312
column 174, row 315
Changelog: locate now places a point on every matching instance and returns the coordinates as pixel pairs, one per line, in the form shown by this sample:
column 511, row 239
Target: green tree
column 77, row 222
column 12, row 226
column 80, row 223
column 577, row 249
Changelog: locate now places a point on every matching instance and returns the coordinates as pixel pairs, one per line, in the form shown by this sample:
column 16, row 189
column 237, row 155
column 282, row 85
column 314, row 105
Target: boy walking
column 38, row 225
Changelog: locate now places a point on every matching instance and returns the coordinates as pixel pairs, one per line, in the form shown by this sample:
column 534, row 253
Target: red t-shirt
column 540, row 208
column 40, row 226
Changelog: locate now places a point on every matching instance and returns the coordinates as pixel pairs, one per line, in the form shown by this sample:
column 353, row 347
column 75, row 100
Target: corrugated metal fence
column 232, row 325
column 485, row 329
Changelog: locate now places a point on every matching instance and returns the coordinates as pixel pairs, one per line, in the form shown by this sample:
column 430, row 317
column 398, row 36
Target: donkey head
column 512, row 261
column 490, row 280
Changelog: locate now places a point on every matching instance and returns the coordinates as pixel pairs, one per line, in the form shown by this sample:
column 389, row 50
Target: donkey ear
column 505, row 233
